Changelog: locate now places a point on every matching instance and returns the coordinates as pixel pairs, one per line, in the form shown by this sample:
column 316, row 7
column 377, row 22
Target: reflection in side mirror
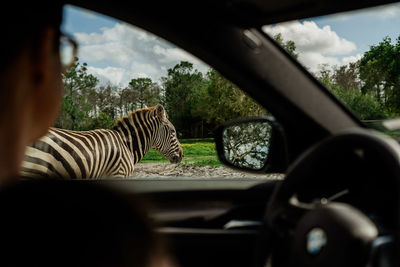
column 246, row 145
column 253, row 144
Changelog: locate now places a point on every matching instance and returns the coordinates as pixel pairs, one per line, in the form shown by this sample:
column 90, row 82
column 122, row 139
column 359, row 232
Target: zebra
column 99, row 153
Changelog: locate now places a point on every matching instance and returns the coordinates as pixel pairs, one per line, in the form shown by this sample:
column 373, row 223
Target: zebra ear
column 160, row 111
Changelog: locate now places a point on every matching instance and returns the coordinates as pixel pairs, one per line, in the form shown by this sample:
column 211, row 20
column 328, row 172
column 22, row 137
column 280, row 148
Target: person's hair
column 56, row 223
column 23, row 22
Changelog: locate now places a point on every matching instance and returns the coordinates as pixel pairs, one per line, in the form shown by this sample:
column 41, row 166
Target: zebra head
column 165, row 139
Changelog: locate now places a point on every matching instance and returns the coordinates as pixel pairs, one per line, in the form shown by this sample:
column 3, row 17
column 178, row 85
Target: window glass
column 120, row 69
column 356, row 55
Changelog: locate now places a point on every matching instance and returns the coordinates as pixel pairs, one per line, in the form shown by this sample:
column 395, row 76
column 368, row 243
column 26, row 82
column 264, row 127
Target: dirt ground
column 157, row 170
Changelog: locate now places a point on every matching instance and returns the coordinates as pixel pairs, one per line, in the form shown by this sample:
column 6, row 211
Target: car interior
column 341, row 178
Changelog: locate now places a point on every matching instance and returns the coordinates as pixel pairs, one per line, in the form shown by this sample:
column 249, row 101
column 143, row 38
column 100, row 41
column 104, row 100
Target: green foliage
column 88, row 106
column 201, row 148
column 289, row 46
column 153, row 156
column 364, row 105
column 347, row 77
column 247, row 144
column 197, row 103
column 194, row 102
column 183, row 87
column 225, row 101
column 198, row 152
column 371, row 86
column 380, row 73
column 106, row 103
column 102, row 121
column 143, row 92
column 79, row 94
column 196, row 140
column 344, row 83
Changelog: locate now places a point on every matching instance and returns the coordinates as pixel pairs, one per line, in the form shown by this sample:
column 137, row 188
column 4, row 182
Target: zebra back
column 77, row 155
column 93, row 154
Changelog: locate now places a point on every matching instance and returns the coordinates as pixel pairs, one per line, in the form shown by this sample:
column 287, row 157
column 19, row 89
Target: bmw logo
column 316, row 241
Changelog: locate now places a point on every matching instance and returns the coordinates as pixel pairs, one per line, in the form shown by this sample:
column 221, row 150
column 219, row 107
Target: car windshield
column 356, row 55
column 120, row 69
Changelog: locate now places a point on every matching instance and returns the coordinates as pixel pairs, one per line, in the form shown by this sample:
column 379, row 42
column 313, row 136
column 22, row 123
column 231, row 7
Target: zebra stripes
column 92, row 154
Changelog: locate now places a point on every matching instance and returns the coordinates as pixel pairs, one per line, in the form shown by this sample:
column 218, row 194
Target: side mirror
column 254, row 144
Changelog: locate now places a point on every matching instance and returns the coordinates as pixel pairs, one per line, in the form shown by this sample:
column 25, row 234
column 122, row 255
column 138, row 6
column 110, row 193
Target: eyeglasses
column 68, row 51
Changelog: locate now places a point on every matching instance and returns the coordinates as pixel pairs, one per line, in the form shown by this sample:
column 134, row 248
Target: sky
column 117, row 52
column 342, row 38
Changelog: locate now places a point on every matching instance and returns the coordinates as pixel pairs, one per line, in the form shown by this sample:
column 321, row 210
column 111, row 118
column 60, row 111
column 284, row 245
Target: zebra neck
column 136, row 134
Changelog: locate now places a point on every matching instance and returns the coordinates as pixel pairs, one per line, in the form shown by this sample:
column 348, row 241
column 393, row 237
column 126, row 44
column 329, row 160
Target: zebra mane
column 118, row 122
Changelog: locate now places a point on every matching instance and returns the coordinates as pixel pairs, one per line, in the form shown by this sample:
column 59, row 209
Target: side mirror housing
column 255, row 144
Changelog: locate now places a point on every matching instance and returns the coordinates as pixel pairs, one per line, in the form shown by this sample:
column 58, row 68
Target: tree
column 102, row 121
column 225, row 101
column 79, row 98
column 364, row 105
column 325, row 75
column 127, row 101
column 107, row 101
column 347, row 77
column 344, row 83
column 181, row 86
column 247, row 144
column 380, row 73
column 289, row 46
column 145, row 92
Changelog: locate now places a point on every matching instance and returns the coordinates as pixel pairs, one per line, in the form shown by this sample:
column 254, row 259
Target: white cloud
column 116, row 44
column 116, row 76
column 111, row 51
column 108, row 74
column 311, row 38
column 128, row 51
column 148, row 70
column 313, row 60
column 172, row 54
column 315, row 45
column 351, row 59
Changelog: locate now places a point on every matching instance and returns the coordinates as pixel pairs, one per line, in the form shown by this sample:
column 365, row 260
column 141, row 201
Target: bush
column 364, row 106
column 103, row 121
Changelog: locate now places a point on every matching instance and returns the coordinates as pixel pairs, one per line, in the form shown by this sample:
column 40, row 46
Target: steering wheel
column 305, row 227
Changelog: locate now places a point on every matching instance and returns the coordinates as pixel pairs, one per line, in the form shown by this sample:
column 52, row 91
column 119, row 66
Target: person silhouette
column 55, row 223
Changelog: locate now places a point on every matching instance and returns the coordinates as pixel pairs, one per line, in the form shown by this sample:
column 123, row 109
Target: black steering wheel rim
column 357, row 143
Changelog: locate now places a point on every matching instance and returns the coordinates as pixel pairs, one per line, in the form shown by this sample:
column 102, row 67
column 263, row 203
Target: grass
column 198, row 152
